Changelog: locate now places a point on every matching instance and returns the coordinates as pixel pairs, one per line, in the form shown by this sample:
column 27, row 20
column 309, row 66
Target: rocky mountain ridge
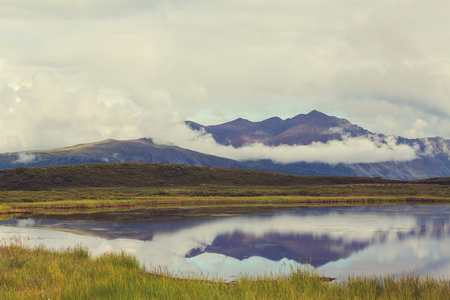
column 299, row 130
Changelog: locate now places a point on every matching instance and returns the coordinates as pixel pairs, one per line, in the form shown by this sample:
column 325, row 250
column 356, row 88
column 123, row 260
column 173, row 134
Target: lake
column 227, row 242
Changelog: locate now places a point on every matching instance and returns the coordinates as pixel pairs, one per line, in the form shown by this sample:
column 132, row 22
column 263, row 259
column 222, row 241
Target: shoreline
column 164, row 202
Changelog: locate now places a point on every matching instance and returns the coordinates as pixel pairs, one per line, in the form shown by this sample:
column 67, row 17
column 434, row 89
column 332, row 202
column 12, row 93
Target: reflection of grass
column 42, row 274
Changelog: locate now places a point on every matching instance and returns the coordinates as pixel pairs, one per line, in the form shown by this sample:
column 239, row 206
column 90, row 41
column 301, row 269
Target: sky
column 83, row 71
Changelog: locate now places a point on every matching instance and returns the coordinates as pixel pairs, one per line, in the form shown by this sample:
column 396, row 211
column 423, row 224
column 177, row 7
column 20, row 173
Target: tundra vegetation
column 36, row 273
column 73, row 274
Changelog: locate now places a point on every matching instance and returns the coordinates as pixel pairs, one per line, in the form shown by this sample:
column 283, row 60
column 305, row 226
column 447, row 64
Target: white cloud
column 417, row 128
column 23, row 158
column 443, row 127
column 117, row 65
column 72, row 9
column 366, row 149
column 49, row 115
column 336, row 130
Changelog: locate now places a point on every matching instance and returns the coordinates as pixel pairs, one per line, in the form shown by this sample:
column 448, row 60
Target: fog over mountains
column 307, row 144
column 318, row 144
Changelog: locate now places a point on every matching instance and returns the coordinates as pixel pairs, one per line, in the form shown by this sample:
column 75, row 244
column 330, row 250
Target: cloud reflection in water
column 339, row 241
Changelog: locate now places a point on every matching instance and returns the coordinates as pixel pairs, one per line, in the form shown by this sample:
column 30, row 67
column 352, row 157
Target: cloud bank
column 367, row 149
column 45, row 114
column 76, row 72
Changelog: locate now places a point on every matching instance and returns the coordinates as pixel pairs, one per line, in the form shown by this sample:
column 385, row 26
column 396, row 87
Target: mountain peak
column 238, row 122
column 311, row 114
column 302, row 129
column 316, row 113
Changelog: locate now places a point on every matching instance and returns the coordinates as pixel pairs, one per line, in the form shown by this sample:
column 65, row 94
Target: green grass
column 128, row 197
column 17, row 201
column 36, row 273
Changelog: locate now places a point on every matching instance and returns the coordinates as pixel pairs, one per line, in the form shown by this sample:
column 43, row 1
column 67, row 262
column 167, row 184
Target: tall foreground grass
column 36, row 273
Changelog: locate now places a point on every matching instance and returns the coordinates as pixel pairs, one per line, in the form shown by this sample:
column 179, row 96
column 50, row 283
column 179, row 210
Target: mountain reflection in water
column 337, row 240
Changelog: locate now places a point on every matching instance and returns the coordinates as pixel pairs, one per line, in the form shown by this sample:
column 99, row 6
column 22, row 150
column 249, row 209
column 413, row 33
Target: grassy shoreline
column 121, row 185
column 90, row 198
column 85, row 205
column 36, row 273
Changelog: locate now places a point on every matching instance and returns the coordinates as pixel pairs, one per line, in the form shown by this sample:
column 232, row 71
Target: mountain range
column 300, row 130
column 432, row 159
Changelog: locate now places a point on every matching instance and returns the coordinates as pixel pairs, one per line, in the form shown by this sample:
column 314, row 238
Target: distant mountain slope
column 141, row 150
column 422, row 167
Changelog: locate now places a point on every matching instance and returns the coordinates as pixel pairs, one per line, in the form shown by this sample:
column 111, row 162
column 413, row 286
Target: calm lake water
column 257, row 241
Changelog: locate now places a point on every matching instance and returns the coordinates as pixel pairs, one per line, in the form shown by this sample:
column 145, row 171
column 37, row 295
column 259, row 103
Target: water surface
column 257, row 241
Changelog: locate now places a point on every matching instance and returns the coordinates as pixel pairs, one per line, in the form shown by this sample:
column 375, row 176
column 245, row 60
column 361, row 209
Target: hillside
column 155, row 175
column 141, row 150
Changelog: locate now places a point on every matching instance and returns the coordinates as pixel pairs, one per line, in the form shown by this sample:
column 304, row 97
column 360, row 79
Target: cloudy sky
column 82, row 71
